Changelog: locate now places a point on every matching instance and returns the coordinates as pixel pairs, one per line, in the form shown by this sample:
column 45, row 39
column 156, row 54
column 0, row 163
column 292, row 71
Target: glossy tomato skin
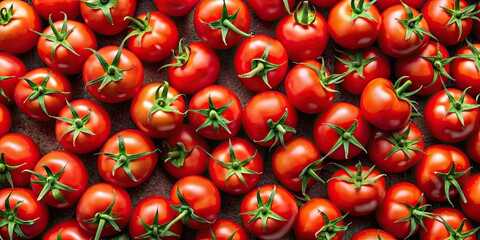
column 12, row 68
column 56, row 7
column 145, row 211
column 270, row 10
column 15, row 35
column 384, row 4
column 472, row 146
column 323, row 3
column 68, row 229
column 98, row 22
column 175, row 8
column 372, row 234
column 136, row 142
column 471, row 189
column 19, row 149
column 74, row 175
column 476, row 24
column 53, row 102
column 223, row 229
column 435, row 228
column 5, row 120
column 465, row 72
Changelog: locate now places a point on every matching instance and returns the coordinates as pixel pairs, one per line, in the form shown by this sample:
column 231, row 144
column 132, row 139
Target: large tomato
column 223, row 229
column 471, row 190
column 466, row 68
column 448, row 223
column 55, row 8
column 68, row 229
column 174, row 7
column 271, row 10
column 5, row 120
column 372, row 234
column 11, row 69
column 107, row 16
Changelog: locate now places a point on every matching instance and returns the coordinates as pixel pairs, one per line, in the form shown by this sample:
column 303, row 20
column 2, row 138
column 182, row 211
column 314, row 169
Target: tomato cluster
column 410, row 71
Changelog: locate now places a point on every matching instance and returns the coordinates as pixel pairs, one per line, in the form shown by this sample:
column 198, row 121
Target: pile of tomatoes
column 388, row 55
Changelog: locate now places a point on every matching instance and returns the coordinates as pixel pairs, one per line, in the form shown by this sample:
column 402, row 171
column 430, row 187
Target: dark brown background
column 160, row 182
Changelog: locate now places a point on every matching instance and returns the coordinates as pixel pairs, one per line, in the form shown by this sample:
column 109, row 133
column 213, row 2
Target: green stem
column 138, row 23
column 403, row 88
column 260, row 67
column 171, row 223
column 230, row 25
column 280, row 128
column 305, row 12
column 213, row 115
column 101, row 224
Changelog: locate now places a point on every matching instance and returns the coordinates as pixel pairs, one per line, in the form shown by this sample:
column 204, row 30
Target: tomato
column 107, row 16
column 466, row 68
column 5, row 120
column 151, row 216
column 235, row 167
column 361, row 67
column 310, row 87
column 372, row 234
column 476, row 24
column 68, row 229
column 184, row 153
column 260, row 62
column 452, row 115
column 471, row 190
column 195, row 67
column 82, row 126
column 428, row 69
column 152, row 36
column 271, row 119
column 271, row 10
column 403, row 210
column 303, row 34
column 17, row 18
column 384, row 4
column 41, row 93
column 215, row 112
column 158, row 110
column 63, row 46
column 448, row 223
column 113, row 74
column 403, row 31
column 55, row 7
column 396, row 151
column 29, row 217
column 197, row 200
column 175, row 8
column 104, row 210
column 221, row 24
column 18, row 152
column 342, row 124
column 472, row 146
column 11, row 69
column 269, row 212
column 323, row 3
column 223, row 229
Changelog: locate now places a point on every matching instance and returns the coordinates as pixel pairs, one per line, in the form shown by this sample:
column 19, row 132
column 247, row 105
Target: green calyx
column 264, row 211
column 51, row 183
column 59, row 38
column 402, row 94
column 214, row 116
column 308, row 14
column 417, row 213
column 182, row 56
column 261, row 67
column 459, row 14
column 450, row 178
column 356, row 64
column 105, row 218
column 11, row 219
column 309, row 172
column 457, row 107
column 324, row 78
column 5, row 169
column 59, row 234
column 402, row 143
column 458, row 234
column 176, row 155
column 330, row 228
column 358, row 178
column 2, row 93
column 475, row 56
column 212, row 234
column 412, row 25
column 78, row 123
column 155, row 231
column 439, row 64
column 6, row 15
column 225, row 23
column 360, row 10
column 186, row 212
column 346, row 138
column 104, row 6
column 287, row 6
column 139, row 26
column 162, row 102
column 277, row 130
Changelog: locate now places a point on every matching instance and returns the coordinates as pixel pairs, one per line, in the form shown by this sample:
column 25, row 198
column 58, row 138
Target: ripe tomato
column 151, row 216
column 271, row 10
column 466, row 68
column 18, row 152
column 11, row 69
column 472, row 194
column 303, row 34
column 55, row 8
column 184, row 153
column 68, row 229
column 361, row 67
column 342, row 124
column 152, row 36
column 113, row 74
column 452, row 115
column 107, row 16
column 5, row 120
column 372, row 234
column 104, row 210
column 269, row 212
column 223, row 229
column 235, row 167
column 221, row 24
column 260, row 62
column 158, row 110
column 403, row 31
column 175, row 8
column 127, row 158
column 17, row 18
column 82, row 126
column 271, row 119
column 215, row 112
column 396, row 151
column 29, row 217
column 472, row 146
column 41, row 93
column 195, row 67
column 448, row 223
column 384, row 4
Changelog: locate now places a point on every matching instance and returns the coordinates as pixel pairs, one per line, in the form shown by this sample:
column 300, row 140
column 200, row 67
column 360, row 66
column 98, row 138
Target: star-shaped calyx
column 438, row 64
column 324, row 78
column 139, row 26
column 104, row 6
column 412, row 25
column 213, row 116
column 78, row 123
column 277, row 130
column 11, row 219
column 105, row 218
column 356, row 63
column 155, row 231
column 162, row 102
column 450, row 178
column 50, row 183
column 6, row 15
column 330, row 228
column 457, row 107
column 5, row 169
column 346, row 138
column 402, row 143
column 459, row 14
column 417, row 213
column 359, row 178
column 458, row 234
column 360, row 10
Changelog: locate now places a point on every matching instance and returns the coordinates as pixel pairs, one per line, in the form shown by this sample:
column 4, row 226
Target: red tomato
column 127, row 158
column 303, row 34
column 448, row 223
column 452, row 115
column 384, row 4
column 215, row 112
column 104, row 210
column 30, row 217
column 68, row 229
column 471, row 190
column 158, row 110
column 152, row 36
column 235, row 167
column 17, row 18
column 271, row 10
column 342, row 124
column 269, row 212
column 59, row 179
column 5, row 120
column 82, row 126
column 42, row 93
column 222, row 24
column 372, row 234
column 323, row 3
column 260, row 62
column 107, row 16
column 113, row 74
column 56, row 7
column 472, row 146
column 150, row 217
column 183, row 153
column 270, row 119
column 466, row 68
column 18, row 152
column 11, row 69
column 175, row 8
column 223, row 229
